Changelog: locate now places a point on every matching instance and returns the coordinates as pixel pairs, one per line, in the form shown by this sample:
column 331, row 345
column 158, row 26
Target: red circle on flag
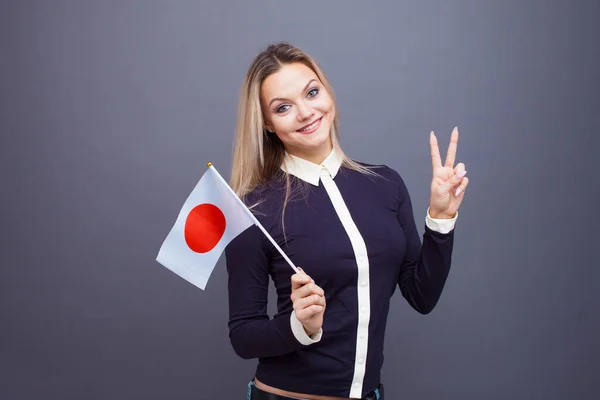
column 204, row 227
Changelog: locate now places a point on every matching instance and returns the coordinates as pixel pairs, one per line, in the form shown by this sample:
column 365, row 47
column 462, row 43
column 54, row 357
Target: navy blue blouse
column 355, row 235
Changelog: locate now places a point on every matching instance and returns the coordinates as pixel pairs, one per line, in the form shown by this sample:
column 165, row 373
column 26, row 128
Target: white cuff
column 300, row 333
column 440, row 225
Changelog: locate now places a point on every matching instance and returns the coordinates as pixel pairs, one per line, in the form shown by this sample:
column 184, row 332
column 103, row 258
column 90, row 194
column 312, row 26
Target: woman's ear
column 268, row 127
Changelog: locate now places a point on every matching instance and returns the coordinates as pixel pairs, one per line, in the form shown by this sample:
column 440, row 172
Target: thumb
column 455, row 179
column 301, row 270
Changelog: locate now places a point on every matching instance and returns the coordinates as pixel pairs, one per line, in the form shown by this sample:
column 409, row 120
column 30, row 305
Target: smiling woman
column 283, row 89
column 353, row 232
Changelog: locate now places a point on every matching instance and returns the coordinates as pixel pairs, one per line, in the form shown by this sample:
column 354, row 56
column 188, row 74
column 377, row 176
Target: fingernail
column 461, row 174
column 431, row 133
column 455, row 129
column 458, row 191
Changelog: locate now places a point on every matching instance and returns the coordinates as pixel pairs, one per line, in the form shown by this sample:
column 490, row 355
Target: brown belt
column 258, row 394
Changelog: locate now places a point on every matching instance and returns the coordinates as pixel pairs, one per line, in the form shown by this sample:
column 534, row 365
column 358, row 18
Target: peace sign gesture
column 449, row 183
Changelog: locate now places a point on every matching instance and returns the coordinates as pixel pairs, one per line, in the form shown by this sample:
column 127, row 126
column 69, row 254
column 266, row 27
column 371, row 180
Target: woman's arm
column 251, row 332
column 426, row 266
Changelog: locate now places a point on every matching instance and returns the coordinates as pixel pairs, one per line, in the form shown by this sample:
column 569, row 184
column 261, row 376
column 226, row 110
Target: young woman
column 348, row 225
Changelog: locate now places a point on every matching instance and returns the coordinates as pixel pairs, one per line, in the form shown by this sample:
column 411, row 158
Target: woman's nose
column 304, row 112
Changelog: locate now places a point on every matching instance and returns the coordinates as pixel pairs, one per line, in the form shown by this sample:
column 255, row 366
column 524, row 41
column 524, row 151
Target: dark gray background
column 110, row 110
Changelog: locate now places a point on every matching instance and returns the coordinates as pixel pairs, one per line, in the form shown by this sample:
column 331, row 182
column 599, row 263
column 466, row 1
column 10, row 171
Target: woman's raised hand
column 449, row 182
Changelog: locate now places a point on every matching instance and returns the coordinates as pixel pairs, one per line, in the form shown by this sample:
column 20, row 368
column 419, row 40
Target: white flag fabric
column 211, row 217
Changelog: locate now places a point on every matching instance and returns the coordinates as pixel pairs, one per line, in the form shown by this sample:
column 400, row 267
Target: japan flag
column 211, row 217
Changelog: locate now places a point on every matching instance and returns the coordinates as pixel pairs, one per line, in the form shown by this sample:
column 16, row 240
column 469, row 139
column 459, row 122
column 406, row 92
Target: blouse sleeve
column 426, row 266
column 252, row 333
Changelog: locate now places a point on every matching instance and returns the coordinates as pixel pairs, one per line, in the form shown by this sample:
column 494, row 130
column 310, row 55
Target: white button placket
column 362, row 261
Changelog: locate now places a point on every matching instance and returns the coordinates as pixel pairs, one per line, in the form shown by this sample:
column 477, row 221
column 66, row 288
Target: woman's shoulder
column 379, row 170
column 265, row 196
column 382, row 177
column 268, row 187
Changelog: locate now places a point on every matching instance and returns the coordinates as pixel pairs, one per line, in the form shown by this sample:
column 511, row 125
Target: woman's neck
column 316, row 157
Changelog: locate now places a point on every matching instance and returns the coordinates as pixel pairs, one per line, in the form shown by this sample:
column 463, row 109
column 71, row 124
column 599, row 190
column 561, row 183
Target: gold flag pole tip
column 209, row 164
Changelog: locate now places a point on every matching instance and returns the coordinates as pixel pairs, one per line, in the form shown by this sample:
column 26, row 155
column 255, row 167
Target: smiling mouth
column 311, row 127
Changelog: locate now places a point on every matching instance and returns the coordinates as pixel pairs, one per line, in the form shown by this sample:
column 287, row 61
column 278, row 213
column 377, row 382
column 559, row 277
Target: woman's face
column 298, row 108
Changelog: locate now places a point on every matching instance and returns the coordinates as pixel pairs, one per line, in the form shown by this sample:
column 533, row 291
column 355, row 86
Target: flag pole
column 210, row 165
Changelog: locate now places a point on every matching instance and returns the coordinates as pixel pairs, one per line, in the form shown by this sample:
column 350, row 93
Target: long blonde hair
column 258, row 154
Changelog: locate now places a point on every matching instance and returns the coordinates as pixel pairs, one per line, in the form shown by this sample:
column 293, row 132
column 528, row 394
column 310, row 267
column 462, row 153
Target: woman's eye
column 281, row 109
column 313, row 92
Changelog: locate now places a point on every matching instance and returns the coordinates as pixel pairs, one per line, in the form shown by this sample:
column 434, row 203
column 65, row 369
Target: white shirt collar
column 309, row 171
